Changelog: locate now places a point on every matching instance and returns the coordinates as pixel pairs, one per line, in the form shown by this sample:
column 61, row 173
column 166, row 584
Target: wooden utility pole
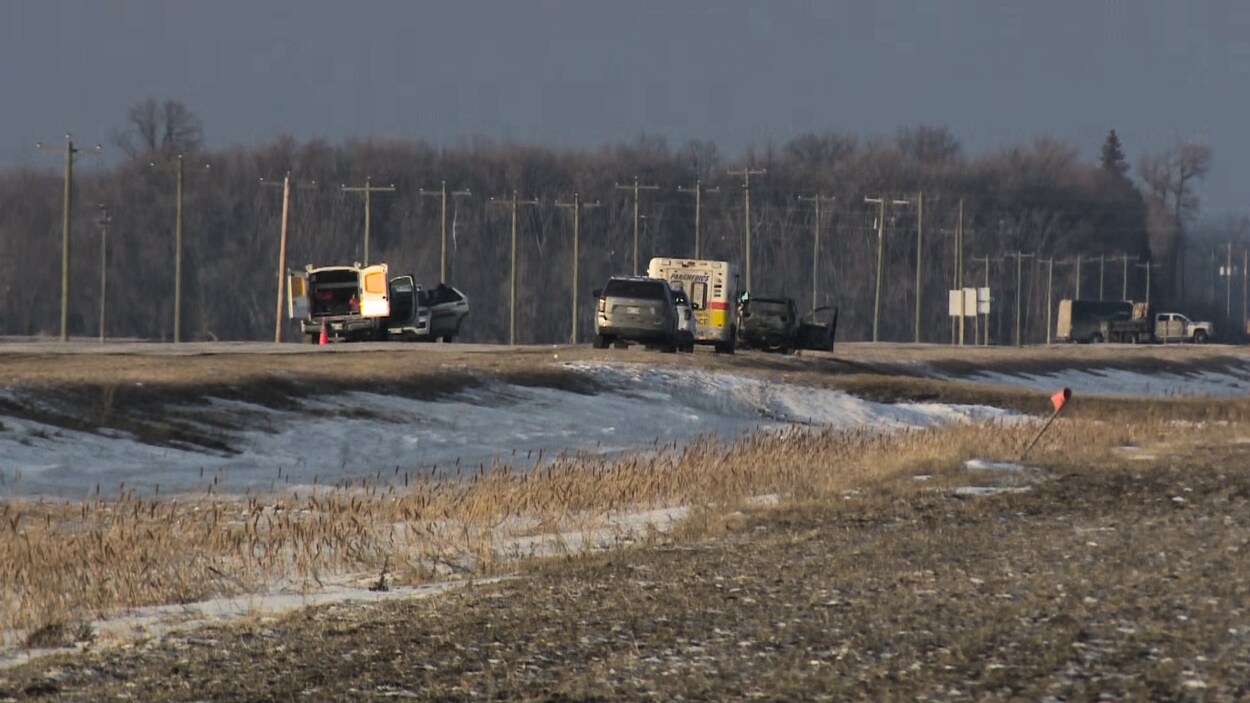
column 876, row 305
column 1228, row 284
column 1124, row 284
column 285, row 184
column 698, row 191
column 68, row 150
column 817, row 200
column 179, row 177
column 512, row 202
column 959, row 270
column 368, row 189
column 1102, row 264
column 103, row 222
column 635, row 187
column 442, row 194
column 746, row 174
column 576, row 206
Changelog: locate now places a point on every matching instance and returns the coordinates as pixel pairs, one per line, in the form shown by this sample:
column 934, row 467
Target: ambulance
column 712, row 287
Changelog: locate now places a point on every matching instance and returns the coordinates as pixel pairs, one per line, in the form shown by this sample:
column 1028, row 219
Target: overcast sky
column 589, row 72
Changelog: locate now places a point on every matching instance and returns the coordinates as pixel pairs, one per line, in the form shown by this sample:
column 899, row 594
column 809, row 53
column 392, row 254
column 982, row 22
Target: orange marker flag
column 1058, row 399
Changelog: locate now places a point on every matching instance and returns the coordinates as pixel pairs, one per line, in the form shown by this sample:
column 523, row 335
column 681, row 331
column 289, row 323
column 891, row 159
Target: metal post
column 1050, row 282
column 959, row 269
column 1102, row 260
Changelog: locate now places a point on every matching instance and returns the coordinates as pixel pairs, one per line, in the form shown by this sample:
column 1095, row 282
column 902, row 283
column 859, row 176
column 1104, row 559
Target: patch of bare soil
column 1125, row 582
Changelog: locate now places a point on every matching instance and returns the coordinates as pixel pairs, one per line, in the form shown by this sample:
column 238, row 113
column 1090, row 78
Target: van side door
column 297, row 305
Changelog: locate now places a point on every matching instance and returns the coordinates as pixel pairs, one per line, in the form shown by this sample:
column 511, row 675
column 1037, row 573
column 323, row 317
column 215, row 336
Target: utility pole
column 635, row 187
column 442, row 194
column 1228, row 284
column 368, row 189
column 746, row 174
column 959, row 270
column 68, row 150
column 1050, row 281
column 698, row 191
column 876, row 306
column 976, row 321
column 103, row 222
column 817, row 200
column 179, row 177
column 577, row 206
column 1102, row 261
column 1019, row 256
column 285, row 184
column 919, row 256
column 1124, row 283
column 1148, row 266
column 512, row 202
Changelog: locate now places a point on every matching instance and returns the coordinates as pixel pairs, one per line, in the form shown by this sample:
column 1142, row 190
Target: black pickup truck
column 773, row 324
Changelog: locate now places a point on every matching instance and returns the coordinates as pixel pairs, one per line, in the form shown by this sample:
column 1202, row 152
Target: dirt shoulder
column 1124, row 582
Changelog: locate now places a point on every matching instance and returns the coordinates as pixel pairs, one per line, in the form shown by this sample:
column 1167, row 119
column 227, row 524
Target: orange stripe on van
column 715, row 305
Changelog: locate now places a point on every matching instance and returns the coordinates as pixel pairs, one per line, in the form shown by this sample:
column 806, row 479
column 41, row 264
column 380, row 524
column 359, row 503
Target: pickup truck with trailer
column 1147, row 326
column 360, row 303
column 1094, row 321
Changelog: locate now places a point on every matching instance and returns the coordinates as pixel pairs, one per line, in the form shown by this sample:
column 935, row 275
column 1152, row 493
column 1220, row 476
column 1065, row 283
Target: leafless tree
column 168, row 127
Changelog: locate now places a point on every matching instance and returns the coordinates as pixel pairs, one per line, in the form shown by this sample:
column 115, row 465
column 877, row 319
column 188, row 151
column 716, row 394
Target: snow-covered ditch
column 334, row 439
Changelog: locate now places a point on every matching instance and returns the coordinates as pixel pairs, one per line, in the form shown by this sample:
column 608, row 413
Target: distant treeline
column 1042, row 198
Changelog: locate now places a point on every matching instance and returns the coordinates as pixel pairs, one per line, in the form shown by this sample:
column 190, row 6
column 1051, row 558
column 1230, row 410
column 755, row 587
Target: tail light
column 603, row 305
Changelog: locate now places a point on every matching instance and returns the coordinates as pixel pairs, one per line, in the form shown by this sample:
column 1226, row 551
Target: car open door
column 817, row 329
column 374, row 301
column 297, row 307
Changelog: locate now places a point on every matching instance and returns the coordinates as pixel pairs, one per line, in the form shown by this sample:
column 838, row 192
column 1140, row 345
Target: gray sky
column 589, row 72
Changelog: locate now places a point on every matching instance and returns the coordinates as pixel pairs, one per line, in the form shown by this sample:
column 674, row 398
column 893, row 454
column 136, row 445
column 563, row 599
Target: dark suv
column 636, row 309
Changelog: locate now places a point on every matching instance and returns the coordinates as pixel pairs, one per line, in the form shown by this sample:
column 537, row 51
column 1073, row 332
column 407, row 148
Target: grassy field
column 1111, row 567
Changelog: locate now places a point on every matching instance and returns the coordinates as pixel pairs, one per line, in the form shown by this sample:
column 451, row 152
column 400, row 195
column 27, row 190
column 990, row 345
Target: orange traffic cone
column 325, row 338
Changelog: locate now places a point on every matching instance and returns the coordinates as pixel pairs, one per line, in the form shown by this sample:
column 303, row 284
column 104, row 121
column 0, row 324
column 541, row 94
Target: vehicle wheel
column 620, row 345
column 669, row 347
column 447, row 339
column 599, row 342
column 1096, row 339
column 1200, row 337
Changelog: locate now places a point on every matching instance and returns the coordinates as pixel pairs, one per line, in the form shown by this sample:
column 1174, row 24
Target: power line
column 368, row 189
column 442, row 193
column 513, row 202
column 635, row 187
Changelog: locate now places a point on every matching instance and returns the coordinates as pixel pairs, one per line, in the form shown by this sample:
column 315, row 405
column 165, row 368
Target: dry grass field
column 1111, row 567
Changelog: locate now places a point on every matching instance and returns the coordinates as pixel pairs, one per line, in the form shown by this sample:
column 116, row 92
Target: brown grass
column 78, row 561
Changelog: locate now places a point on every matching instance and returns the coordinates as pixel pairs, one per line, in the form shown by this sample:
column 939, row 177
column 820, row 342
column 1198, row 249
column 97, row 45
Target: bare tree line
column 1041, row 198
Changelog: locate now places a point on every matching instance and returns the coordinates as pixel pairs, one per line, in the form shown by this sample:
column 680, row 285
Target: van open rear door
column 374, row 301
column 297, row 307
